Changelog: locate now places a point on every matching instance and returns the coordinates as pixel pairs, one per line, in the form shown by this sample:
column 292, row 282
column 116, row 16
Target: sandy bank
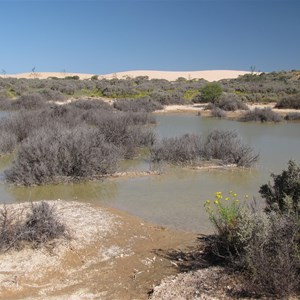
column 200, row 108
column 111, row 256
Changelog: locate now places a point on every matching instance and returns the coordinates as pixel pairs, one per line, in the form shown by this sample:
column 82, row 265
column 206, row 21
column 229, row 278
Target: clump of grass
column 40, row 226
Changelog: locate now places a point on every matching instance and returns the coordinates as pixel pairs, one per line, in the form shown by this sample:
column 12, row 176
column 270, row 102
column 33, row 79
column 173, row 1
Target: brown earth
column 111, row 256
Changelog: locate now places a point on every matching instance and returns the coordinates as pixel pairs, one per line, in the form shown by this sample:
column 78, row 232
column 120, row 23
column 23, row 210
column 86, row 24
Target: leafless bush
column 292, row 101
column 8, row 142
column 272, row 257
column 261, row 115
column 292, row 116
column 40, row 226
column 51, row 95
column 224, row 146
column 90, row 104
column 227, row 146
column 138, row 105
column 216, row 112
column 178, row 150
column 167, row 98
column 58, row 153
column 31, row 101
column 230, row 102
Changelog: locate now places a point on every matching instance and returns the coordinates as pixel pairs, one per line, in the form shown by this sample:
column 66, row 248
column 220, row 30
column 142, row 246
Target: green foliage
column 75, row 77
column 211, row 92
column 189, row 95
column 94, row 77
column 284, row 194
column 228, row 215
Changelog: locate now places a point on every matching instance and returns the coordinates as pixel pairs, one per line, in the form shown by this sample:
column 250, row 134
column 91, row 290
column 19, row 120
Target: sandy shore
column 200, row 108
column 209, row 75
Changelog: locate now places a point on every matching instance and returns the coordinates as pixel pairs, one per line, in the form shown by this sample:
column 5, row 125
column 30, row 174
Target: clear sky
column 102, row 37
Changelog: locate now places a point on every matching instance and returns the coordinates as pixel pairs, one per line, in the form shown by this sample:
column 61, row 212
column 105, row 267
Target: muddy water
column 176, row 198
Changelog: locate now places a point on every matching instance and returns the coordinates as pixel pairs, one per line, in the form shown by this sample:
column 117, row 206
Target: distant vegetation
column 281, row 87
column 264, row 87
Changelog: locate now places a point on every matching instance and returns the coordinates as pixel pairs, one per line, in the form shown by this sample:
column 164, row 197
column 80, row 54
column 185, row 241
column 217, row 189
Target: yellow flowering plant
column 224, row 212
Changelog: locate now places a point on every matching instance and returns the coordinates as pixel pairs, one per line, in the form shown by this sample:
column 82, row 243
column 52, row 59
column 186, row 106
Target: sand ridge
column 209, row 75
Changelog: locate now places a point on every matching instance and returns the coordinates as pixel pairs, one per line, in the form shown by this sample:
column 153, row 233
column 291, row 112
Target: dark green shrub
column 94, row 77
column 284, row 194
column 210, row 93
column 261, row 115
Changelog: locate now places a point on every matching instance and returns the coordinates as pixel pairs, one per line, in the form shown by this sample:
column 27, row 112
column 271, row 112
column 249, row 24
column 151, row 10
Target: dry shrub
column 216, row 112
column 272, row 256
column 295, row 116
column 230, row 102
column 178, row 150
column 138, row 105
column 31, row 101
column 227, row 146
column 292, row 101
column 40, row 226
column 58, row 153
column 261, row 115
column 8, row 142
column 222, row 145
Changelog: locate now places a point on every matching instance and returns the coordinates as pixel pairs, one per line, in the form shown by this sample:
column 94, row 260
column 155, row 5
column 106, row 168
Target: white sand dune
column 209, row 75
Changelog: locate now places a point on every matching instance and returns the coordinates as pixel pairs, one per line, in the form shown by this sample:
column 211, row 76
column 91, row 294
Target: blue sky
column 102, row 37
